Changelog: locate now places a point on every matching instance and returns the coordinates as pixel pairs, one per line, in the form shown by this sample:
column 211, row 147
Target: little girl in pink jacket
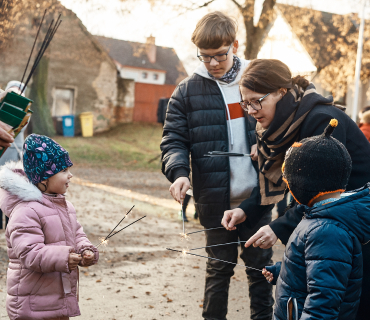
column 45, row 241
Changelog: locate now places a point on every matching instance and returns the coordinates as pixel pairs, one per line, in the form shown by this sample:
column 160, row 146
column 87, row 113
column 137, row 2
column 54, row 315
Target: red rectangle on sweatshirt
column 236, row 111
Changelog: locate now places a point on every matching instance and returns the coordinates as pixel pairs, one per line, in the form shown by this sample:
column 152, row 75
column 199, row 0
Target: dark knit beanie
column 43, row 158
column 316, row 166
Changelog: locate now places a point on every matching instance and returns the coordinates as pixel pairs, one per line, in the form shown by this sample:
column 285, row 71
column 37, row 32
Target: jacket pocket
column 47, row 294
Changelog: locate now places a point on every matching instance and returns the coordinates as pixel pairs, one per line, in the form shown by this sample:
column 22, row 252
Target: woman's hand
column 73, row 260
column 264, row 238
column 179, row 187
column 87, row 258
column 232, row 218
column 268, row 275
column 254, row 152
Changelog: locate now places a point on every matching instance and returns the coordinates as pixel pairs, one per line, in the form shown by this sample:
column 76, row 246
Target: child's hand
column 73, row 260
column 268, row 275
column 87, row 258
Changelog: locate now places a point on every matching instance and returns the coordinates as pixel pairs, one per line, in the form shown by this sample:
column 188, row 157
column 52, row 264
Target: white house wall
column 138, row 75
column 282, row 44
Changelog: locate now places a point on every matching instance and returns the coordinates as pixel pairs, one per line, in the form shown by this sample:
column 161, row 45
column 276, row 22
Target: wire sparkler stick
column 216, row 245
column 105, row 240
column 119, row 222
column 183, row 218
column 205, row 230
column 225, row 154
column 125, row 227
column 34, row 43
column 47, row 39
column 198, row 255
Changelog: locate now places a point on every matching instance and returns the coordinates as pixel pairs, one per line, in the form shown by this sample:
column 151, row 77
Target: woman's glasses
column 255, row 104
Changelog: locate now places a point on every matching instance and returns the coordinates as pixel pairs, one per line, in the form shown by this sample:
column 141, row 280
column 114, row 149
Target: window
column 63, row 102
column 144, row 75
column 155, row 76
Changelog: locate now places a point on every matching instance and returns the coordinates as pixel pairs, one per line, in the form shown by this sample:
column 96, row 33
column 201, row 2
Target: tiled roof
column 133, row 54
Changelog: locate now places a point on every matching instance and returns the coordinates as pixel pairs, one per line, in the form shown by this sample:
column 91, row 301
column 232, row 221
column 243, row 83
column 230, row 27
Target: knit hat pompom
column 317, row 165
column 43, row 158
column 330, row 128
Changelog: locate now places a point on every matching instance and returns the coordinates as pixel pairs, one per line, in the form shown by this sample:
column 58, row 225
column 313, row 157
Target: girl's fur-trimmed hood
column 15, row 187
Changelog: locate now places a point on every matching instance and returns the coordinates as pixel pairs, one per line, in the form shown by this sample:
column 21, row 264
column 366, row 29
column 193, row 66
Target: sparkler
column 104, row 241
column 47, row 39
column 185, row 252
column 205, row 230
column 225, row 154
column 183, row 234
column 216, row 245
column 125, row 227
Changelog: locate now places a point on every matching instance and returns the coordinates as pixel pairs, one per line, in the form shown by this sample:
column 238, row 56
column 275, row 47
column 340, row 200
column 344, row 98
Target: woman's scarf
column 230, row 76
column 283, row 131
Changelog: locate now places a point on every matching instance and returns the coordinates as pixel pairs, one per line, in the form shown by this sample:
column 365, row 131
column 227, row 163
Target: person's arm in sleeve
column 27, row 240
column 328, row 259
column 83, row 244
column 175, row 143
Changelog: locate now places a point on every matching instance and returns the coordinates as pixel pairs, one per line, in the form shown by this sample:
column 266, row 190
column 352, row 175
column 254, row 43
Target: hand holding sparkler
column 87, row 258
column 233, row 217
column 73, row 260
column 179, row 187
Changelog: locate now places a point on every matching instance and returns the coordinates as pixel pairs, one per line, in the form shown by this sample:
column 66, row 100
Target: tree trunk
column 256, row 34
column 41, row 120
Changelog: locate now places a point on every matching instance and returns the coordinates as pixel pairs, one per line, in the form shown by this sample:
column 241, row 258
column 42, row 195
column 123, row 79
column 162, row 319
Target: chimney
column 151, row 49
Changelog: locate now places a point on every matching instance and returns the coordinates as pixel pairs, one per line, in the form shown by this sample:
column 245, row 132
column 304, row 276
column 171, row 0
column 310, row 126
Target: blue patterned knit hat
column 43, row 158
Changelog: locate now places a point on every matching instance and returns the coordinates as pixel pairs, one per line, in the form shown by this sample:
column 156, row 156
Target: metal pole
column 358, row 61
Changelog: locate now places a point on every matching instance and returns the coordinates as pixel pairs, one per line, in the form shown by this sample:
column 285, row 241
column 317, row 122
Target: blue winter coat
column 322, row 266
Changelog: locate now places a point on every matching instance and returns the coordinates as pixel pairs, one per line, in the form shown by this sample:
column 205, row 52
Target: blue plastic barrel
column 69, row 125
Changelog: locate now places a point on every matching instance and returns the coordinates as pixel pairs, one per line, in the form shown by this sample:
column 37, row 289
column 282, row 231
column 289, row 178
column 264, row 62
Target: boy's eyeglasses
column 217, row 57
column 256, row 104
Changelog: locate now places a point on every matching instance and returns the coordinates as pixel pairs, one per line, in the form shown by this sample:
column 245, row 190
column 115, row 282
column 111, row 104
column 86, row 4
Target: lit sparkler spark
column 184, row 236
column 103, row 241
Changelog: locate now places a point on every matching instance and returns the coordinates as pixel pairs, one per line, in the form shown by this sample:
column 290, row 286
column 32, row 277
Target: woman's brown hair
column 270, row 75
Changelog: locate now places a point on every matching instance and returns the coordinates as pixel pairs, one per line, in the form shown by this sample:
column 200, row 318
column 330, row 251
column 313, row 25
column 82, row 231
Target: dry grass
column 126, row 147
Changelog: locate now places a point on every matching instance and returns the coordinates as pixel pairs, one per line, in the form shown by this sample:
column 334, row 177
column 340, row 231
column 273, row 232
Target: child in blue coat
column 321, row 273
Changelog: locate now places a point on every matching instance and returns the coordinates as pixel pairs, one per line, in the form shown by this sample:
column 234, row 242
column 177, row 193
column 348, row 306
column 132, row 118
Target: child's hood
column 352, row 210
column 15, row 187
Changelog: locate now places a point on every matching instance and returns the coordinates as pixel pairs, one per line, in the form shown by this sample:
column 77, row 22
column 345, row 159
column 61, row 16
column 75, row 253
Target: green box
column 16, row 100
column 15, row 111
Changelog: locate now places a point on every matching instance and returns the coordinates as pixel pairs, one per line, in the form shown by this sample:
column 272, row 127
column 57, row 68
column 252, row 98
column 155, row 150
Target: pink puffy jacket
column 41, row 233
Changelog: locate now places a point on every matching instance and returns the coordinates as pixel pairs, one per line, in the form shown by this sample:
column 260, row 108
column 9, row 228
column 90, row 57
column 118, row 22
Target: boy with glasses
column 204, row 115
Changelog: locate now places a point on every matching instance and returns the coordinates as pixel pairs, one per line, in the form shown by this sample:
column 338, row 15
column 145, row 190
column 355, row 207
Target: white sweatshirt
column 243, row 176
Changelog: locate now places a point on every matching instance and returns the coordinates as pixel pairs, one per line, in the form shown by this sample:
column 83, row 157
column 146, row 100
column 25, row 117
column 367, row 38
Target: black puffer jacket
column 196, row 123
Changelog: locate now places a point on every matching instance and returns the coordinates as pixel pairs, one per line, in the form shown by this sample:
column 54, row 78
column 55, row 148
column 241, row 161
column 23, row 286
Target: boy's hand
column 232, row 218
column 73, row 260
column 254, row 152
column 268, row 275
column 87, row 258
column 179, row 187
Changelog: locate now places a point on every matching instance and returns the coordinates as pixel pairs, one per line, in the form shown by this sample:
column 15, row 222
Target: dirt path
column 137, row 278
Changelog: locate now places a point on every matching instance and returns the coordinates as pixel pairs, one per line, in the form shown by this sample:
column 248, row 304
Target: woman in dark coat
column 287, row 110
